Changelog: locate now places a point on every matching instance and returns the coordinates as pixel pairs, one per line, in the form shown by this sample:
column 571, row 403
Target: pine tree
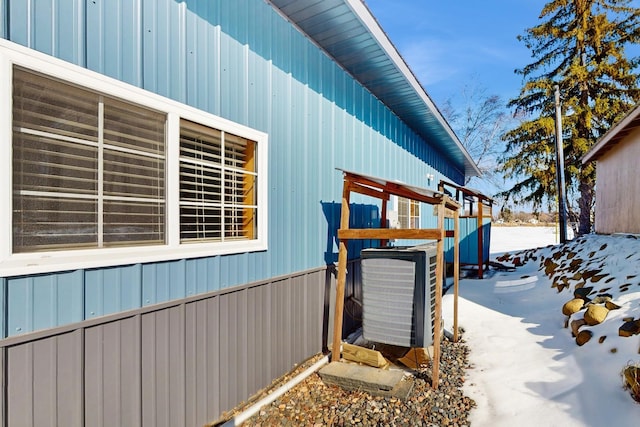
column 579, row 45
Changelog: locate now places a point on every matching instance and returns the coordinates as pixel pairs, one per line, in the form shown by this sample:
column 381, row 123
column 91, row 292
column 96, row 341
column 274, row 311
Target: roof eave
column 613, row 135
column 428, row 123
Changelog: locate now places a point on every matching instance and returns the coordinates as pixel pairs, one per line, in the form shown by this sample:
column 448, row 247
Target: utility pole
column 562, row 212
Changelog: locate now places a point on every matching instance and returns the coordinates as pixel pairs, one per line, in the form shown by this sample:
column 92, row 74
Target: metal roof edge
column 600, row 146
column 369, row 20
column 359, row 10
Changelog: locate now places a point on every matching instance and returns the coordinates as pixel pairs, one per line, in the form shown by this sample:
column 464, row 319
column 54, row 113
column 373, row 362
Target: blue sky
column 451, row 43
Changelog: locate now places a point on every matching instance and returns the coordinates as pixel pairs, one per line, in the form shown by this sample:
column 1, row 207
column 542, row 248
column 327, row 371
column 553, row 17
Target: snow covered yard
column 527, row 368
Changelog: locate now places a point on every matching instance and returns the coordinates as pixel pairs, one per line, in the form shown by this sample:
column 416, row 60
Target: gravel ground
column 312, row 403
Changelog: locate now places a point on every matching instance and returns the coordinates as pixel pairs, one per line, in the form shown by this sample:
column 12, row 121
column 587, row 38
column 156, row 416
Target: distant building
column 617, row 153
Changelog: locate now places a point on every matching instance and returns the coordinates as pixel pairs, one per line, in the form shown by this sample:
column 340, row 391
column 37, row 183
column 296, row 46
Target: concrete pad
column 378, row 382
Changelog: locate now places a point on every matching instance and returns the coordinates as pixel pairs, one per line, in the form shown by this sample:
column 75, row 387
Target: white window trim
column 41, row 262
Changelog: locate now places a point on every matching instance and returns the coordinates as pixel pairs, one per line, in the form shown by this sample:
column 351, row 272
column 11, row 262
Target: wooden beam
column 403, row 191
column 383, row 222
column 364, row 355
column 342, row 276
column 367, row 191
column 456, row 273
column 395, row 188
column 438, row 303
column 390, row 233
column 480, row 241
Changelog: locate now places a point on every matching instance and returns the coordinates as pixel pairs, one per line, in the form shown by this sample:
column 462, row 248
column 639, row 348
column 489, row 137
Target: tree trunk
column 585, row 203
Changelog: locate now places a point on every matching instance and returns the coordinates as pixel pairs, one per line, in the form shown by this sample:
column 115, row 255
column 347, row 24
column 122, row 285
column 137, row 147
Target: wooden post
column 342, row 275
column 438, row 303
column 480, row 241
column 456, row 271
column 486, row 261
column 383, row 221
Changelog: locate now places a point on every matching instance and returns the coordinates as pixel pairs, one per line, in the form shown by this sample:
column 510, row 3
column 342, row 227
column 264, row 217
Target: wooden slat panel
column 618, row 205
column 388, row 233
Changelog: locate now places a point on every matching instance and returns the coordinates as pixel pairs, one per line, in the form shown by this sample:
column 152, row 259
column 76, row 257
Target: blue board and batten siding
column 244, row 62
column 180, row 341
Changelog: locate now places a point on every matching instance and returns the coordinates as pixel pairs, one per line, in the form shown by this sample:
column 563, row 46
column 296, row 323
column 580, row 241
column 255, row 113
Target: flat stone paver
column 379, row 382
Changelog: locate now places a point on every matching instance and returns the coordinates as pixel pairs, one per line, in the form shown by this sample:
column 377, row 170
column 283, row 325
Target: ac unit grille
column 432, row 293
column 398, row 295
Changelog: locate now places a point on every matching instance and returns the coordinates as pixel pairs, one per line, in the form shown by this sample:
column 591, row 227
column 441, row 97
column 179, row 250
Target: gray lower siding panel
column 112, row 373
column 3, row 386
column 176, row 364
column 44, row 382
column 233, row 348
column 202, row 374
column 163, row 367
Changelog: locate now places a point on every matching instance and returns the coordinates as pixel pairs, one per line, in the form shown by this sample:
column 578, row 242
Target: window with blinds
column 88, row 170
column 218, row 200
column 98, row 169
column 408, row 213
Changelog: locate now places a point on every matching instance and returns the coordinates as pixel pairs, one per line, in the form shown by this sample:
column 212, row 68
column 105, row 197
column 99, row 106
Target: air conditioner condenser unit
column 398, row 295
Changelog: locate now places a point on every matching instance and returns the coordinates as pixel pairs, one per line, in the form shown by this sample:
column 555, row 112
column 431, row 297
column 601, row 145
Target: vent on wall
column 398, row 295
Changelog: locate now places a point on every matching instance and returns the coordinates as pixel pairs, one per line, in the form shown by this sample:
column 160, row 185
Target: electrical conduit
column 253, row 409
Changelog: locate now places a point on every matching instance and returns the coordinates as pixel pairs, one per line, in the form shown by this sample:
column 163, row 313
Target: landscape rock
column 611, row 305
column 549, row 267
column 598, row 277
column 575, row 326
column 583, row 337
column 583, row 292
column 572, row 306
column 595, row 314
column 601, row 299
column 629, row 328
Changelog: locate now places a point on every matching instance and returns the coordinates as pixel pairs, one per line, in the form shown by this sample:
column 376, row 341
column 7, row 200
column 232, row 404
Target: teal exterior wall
column 242, row 61
column 469, row 234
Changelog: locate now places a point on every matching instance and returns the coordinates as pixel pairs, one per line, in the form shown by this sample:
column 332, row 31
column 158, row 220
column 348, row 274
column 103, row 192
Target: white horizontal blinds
column 200, row 183
column 217, row 185
column 133, row 174
column 88, row 171
column 403, row 212
column 408, row 213
column 55, row 131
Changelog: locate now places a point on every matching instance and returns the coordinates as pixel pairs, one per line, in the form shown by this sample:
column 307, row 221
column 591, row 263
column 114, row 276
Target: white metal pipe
column 250, row 411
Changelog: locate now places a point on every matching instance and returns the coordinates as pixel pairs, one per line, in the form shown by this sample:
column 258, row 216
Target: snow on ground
column 527, row 369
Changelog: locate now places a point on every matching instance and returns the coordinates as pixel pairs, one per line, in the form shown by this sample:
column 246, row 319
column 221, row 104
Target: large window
column 88, row 170
column 98, row 169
